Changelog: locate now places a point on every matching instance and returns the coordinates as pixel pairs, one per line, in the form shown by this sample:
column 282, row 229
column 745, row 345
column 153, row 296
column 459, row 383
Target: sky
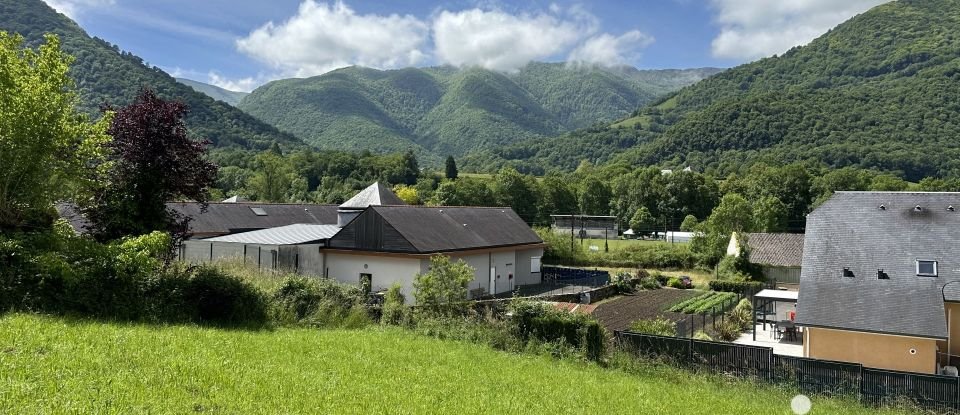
column 241, row 44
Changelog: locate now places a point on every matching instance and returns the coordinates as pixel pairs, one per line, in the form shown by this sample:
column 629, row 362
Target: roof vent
column 847, row 272
column 883, row 207
column 917, row 208
column 882, row 275
column 950, row 208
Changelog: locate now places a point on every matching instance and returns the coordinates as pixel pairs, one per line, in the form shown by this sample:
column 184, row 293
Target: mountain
column 879, row 91
column 105, row 74
column 213, row 91
column 445, row 110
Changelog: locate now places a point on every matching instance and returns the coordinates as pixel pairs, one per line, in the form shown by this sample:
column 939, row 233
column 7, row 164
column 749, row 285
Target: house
column 375, row 240
column 879, row 280
column 779, row 255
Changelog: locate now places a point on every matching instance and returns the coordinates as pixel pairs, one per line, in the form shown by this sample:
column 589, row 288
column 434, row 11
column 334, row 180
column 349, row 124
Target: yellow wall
column 872, row 350
column 953, row 319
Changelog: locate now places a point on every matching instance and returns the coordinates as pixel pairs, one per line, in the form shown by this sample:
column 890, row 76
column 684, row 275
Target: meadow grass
column 54, row 365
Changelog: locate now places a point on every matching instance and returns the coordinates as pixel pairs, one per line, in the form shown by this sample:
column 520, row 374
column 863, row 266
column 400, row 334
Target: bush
column 728, row 330
column 660, row 326
column 624, row 282
column 394, row 306
column 742, row 287
column 223, row 299
column 675, row 282
column 442, row 290
column 319, row 303
column 544, row 323
column 649, row 283
column 702, row 335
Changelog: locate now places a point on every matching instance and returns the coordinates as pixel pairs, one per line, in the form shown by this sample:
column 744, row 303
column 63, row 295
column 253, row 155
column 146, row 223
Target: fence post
column 691, row 330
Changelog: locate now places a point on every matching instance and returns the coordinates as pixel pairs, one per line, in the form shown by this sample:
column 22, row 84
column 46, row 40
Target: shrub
column 394, row 306
column 443, row 289
column 742, row 317
column 624, row 282
column 675, row 282
column 728, row 330
column 318, row 303
column 660, row 326
column 220, row 298
column 649, row 283
column 702, row 335
column 741, row 287
column 544, row 323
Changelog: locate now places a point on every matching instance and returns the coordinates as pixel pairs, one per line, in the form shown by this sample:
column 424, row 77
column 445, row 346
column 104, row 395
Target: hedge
column 545, row 323
column 736, row 286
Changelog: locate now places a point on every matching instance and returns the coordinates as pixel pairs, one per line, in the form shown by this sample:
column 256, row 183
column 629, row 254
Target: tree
column 689, row 223
column 733, row 214
column 408, row 194
column 47, row 147
column 410, row 168
column 273, row 178
column 517, row 191
column 594, row 196
column 451, row 172
column 642, row 222
column 770, row 215
column 467, row 191
column 443, row 289
column 888, row 183
column 152, row 162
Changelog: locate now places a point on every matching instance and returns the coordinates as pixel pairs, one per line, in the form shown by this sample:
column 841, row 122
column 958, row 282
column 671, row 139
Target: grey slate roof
column 227, row 218
column 283, row 235
column 443, row 229
column 851, row 230
column 374, row 195
column 777, row 249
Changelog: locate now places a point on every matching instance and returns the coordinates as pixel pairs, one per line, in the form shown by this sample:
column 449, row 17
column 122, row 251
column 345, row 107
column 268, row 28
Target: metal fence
column 563, row 274
column 874, row 387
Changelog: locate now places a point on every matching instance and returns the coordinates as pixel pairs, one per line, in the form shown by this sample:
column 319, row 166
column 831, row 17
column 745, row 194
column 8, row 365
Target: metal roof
column 777, row 249
column 284, row 235
column 228, row 218
column 374, row 195
column 778, row 295
column 869, row 231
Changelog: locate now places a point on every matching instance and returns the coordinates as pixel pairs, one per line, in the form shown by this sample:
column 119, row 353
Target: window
column 258, row 211
column 926, row 268
column 535, row 264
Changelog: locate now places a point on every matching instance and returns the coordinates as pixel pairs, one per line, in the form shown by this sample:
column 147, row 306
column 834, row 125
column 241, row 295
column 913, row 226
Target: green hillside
column 213, row 91
column 445, row 110
column 105, row 74
column 880, row 91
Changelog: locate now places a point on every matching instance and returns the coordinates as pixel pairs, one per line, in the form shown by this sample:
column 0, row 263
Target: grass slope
column 50, row 365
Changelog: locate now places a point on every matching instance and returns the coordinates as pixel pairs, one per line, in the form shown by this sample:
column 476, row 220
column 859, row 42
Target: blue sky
column 242, row 44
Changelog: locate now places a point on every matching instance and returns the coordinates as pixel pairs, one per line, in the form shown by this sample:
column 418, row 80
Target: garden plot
column 618, row 313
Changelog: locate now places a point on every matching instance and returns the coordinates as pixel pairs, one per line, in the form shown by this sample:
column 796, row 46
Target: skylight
column 258, row 211
column 926, row 268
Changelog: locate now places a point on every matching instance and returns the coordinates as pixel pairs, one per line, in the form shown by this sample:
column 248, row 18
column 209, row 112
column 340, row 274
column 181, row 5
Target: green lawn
column 51, row 365
column 616, row 244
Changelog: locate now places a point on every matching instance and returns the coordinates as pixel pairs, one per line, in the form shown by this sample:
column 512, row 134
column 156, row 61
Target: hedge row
column 741, row 287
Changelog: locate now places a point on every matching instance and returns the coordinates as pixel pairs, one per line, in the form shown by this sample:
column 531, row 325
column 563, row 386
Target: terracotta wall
column 881, row 351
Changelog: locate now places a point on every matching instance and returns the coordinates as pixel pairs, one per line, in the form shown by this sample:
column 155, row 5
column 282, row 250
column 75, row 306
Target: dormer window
column 926, row 268
column 258, row 211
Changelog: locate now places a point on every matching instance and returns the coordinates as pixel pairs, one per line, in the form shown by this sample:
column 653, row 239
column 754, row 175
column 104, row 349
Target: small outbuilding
column 779, row 255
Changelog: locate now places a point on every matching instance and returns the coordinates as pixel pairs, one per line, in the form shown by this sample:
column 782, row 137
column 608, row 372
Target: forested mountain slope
column 105, row 74
column 446, row 110
column 880, row 91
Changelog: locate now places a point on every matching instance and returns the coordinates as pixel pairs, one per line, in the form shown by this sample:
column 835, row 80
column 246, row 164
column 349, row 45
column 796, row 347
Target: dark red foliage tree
column 153, row 161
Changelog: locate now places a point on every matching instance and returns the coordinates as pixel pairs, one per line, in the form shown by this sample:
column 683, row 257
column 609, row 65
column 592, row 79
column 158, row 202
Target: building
column 375, row 240
column 879, row 280
column 586, row 226
column 779, row 255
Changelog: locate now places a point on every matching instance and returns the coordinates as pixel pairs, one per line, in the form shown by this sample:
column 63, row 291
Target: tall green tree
column 451, row 168
column 152, row 161
column 47, row 147
column 273, row 178
column 517, row 191
column 593, row 196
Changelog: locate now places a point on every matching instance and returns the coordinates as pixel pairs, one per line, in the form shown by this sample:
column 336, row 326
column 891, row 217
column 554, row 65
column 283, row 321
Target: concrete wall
column 524, row 275
column 481, row 271
column 912, row 354
column 311, row 260
column 385, row 270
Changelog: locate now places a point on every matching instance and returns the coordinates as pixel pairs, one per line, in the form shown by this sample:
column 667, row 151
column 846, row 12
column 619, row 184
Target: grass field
column 615, row 244
column 51, row 365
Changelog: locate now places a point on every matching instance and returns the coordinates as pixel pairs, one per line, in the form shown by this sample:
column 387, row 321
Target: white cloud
column 322, row 37
column 243, row 84
column 72, row 8
column 497, row 40
column 753, row 29
column 606, row 49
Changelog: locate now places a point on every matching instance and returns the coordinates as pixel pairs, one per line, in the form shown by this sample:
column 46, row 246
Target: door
column 366, row 283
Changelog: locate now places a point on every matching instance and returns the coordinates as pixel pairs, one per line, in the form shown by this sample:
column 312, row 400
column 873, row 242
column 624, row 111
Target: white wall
column 481, row 270
column 385, row 270
column 524, row 275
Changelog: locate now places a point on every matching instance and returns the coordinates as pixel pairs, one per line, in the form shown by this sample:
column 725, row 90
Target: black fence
column 874, row 387
column 563, row 274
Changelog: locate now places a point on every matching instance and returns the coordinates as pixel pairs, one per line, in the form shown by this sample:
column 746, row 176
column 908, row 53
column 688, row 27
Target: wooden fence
column 874, row 387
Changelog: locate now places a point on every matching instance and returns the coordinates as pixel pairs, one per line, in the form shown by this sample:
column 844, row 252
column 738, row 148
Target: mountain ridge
column 213, row 91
